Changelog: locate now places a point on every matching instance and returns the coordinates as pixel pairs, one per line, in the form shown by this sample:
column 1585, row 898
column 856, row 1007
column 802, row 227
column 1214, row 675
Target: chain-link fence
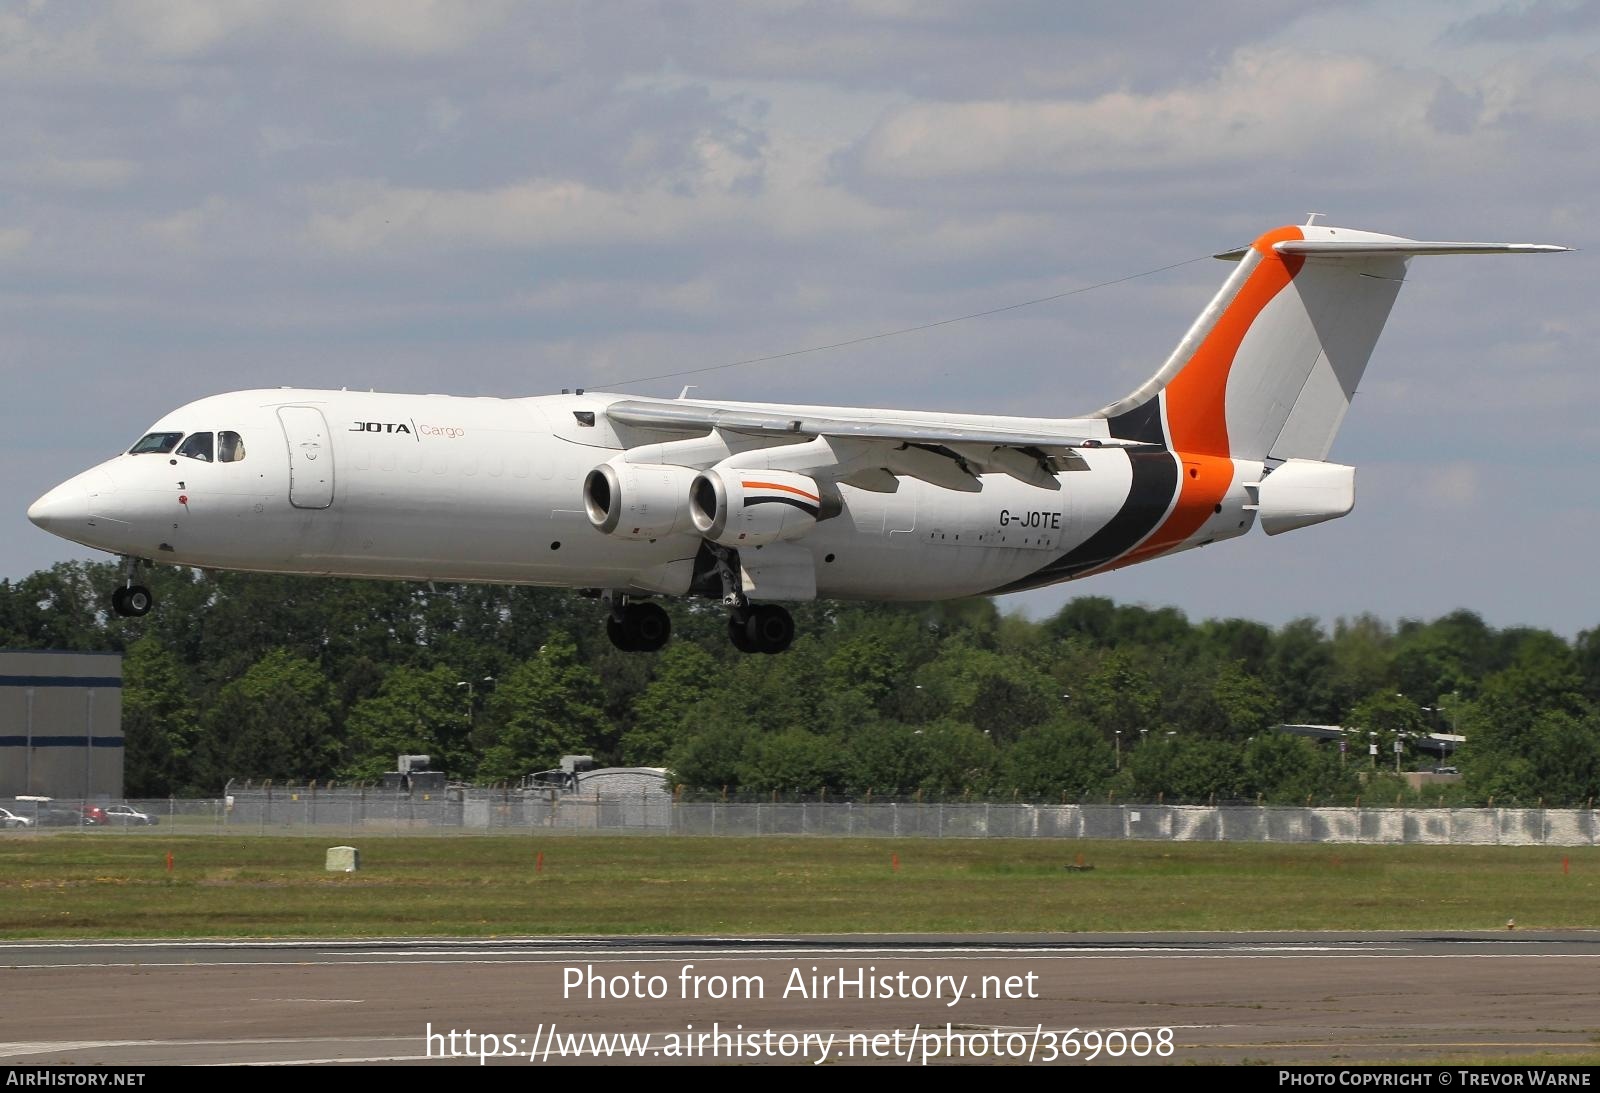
column 308, row 810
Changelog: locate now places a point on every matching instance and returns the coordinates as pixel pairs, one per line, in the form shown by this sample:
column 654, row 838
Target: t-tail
column 1267, row 372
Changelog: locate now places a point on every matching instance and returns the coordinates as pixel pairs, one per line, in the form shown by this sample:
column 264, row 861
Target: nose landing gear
column 134, row 601
column 131, row 600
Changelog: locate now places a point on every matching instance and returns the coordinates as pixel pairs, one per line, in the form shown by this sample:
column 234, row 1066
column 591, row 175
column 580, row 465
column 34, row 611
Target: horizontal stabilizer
column 1335, row 248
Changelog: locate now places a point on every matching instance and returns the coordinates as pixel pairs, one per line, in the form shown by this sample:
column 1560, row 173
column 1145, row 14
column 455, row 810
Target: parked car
column 60, row 817
column 11, row 819
column 128, row 815
column 86, row 816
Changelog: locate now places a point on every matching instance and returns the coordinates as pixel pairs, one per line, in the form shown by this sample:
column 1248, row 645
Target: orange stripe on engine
column 780, row 486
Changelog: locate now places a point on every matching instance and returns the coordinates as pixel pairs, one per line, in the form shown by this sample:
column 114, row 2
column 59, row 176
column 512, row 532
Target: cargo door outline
column 310, row 456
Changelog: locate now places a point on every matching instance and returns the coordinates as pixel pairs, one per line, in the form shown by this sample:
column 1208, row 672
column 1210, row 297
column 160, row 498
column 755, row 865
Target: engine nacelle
column 739, row 508
column 638, row 500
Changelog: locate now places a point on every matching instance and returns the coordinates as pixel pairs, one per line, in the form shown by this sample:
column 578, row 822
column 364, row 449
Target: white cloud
column 13, row 241
column 188, row 228
column 192, row 28
column 1449, row 486
column 361, row 216
column 442, row 115
column 782, row 192
column 404, row 27
column 1275, row 103
column 277, row 140
column 77, row 174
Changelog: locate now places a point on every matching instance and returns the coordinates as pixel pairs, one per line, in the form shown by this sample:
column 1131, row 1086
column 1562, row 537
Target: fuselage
column 442, row 488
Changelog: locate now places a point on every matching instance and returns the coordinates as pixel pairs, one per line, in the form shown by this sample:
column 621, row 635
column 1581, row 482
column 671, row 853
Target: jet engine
column 638, row 500
column 737, row 508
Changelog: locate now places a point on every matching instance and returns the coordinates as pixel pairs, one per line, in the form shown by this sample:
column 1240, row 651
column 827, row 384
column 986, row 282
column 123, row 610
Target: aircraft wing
column 867, row 448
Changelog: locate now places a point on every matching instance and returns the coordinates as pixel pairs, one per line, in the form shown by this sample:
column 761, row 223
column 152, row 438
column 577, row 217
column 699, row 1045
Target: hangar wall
column 61, row 725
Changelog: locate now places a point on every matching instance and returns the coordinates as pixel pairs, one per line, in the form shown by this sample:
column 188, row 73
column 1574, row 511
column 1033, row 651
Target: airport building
column 61, row 725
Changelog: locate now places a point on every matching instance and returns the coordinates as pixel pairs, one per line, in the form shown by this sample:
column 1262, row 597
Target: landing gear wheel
column 135, row 601
column 739, row 634
column 646, row 626
column 771, row 628
column 642, row 628
column 618, row 635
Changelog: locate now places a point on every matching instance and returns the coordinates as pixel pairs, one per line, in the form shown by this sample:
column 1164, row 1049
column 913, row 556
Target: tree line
column 239, row 676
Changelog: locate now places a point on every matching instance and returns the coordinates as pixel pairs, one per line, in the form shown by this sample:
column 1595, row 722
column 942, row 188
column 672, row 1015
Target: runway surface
column 1151, row 998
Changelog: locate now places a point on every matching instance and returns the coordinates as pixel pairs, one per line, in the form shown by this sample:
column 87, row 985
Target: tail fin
column 1269, row 368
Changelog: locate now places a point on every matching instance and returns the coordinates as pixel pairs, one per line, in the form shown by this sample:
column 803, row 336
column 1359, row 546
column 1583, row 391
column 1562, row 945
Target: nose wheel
column 132, row 602
column 639, row 627
column 764, row 629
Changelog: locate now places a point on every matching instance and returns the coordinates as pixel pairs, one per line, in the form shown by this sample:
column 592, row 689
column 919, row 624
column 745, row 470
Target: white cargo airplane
column 757, row 504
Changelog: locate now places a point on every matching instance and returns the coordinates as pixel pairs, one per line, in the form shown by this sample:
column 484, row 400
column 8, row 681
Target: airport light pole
column 471, row 691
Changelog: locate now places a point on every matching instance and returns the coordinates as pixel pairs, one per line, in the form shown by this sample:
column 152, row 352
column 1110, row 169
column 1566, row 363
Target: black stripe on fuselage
column 1142, row 423
column 1155, row 483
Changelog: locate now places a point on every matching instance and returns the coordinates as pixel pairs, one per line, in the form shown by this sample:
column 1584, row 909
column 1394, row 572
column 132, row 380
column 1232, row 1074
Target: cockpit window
column 198, row 446
column 230, row 447
column 158, row 443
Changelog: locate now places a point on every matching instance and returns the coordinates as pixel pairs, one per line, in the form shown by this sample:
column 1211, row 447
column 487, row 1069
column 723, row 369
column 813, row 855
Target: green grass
column 82, row 885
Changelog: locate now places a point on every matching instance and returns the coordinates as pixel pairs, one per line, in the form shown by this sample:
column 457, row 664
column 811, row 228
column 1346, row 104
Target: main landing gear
column 645, row 627
column 753, row 628
column 764, row 629
column 637, row 627
column 131, row 601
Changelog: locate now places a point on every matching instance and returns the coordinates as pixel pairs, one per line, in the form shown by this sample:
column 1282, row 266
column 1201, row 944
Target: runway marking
column 614, row 958
column 335, row 1001
column 464, row 1060
column 40, row 1047
column 962, row 954
column 621, row 941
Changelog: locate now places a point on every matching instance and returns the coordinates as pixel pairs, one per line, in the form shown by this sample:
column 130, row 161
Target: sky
column 497, row 198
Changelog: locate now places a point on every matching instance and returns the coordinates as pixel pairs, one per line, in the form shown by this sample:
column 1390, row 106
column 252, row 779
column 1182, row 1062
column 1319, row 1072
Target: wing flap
column 701, row 417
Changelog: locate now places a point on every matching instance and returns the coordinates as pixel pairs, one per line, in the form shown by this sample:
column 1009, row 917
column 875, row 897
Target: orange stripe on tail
column 1197, row 397
column 1196, row 403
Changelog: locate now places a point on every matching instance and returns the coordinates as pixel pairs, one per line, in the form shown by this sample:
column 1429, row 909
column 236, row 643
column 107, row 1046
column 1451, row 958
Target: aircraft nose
column 63, row 509
column 70, row 506
column 65, row 506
